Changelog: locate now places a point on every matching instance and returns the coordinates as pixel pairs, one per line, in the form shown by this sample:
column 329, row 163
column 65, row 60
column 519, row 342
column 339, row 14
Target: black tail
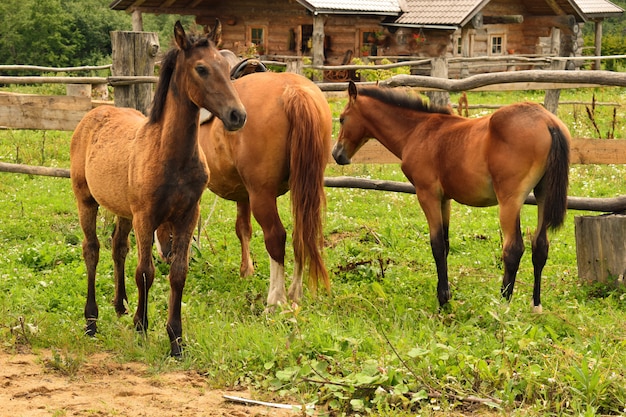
column 556, row 180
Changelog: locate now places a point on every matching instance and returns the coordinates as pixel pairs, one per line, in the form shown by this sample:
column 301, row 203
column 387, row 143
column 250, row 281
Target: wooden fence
column 24, row 111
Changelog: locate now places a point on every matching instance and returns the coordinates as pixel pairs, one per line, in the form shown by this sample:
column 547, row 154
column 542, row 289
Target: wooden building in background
column 332, row 31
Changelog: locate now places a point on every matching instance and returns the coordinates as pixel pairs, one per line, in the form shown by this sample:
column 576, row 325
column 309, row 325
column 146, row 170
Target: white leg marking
column 295, row 290
column 276, row 294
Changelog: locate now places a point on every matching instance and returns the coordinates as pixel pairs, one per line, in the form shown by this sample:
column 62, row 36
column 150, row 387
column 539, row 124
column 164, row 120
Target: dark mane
column 168, row 64
column 401, row 99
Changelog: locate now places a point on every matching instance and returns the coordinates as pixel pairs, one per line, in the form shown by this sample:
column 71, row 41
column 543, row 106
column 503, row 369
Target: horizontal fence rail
column 63, row 113
column 605, row 205
column 612, row 205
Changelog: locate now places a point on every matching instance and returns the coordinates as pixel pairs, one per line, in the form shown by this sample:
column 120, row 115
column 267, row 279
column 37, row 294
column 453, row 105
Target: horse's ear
column 215, row 34
column 180, row 36
column 352, row 90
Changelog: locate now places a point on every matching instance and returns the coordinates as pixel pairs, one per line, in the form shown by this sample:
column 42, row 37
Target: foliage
column 378, row 345
column 61, row 33
column 612, row 39
column 378, row 74
column 310, row 73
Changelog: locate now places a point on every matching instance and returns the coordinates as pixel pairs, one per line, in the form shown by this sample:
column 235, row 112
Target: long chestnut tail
column 309, row 156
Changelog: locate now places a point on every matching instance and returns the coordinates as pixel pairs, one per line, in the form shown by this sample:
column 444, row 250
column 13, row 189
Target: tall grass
column 378, row 344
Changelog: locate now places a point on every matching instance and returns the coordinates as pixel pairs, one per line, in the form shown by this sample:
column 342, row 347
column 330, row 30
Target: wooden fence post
column 551, row 100
column 440, row 70
column 294, row 65
column 318, row 44
column 134, row 54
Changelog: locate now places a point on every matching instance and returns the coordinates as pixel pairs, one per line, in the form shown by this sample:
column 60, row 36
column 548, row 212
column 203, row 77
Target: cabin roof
column 594, row 9
column 391, row 7
column 433, row 13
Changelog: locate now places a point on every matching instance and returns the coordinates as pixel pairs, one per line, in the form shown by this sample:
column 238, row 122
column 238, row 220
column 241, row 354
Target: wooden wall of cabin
column 280, row 20
column 287, row 27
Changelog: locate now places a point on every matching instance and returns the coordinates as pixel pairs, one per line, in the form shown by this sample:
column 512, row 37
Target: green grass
column 379, row 344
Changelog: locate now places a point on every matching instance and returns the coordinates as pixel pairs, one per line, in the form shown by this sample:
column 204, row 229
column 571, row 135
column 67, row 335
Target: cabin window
column 256, row 35
column 307, row 38
column 497, row 45
column 459, row 46
column 368, row 43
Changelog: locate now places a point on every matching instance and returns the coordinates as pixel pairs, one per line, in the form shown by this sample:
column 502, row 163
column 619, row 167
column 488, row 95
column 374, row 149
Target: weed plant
column 379, row 344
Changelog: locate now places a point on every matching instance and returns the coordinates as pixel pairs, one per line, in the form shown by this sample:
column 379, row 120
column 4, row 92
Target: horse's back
column 523, row 130
column 259, row 152
column 99, row 155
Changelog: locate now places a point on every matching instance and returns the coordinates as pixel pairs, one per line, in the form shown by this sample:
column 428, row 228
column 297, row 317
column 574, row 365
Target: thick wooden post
column 318, row 41
column 137, row 21
column 466, row 50
column 601, row 248
column 551, row 100
column 597, row 41
column 440, row 70
column 134, row 54
column 294, row 65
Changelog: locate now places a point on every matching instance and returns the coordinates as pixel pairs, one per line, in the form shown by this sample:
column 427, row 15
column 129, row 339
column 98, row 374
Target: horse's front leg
column 181, row 242
column 243, row 228
column 144, row 274
column 437, row 214
column 119, row 248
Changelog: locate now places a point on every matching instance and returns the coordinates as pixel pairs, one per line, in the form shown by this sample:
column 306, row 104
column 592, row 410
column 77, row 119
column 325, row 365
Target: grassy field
column 379, row 343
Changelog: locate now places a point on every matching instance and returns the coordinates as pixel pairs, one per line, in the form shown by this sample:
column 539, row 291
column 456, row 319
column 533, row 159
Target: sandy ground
column 30, row 387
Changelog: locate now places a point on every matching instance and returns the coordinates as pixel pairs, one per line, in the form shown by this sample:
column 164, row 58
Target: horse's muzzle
column 235, row 119
column 340, row 155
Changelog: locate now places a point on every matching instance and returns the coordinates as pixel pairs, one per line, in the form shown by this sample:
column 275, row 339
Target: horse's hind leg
column 119, row 248
column 144, row 273
column 295, row 289
column 266, row 213
column 243, row 228
column 87, row 212
column 540, row 247
column 513, row 246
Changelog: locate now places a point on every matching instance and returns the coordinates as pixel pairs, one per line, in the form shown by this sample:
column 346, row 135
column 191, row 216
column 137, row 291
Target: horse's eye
column 341, row 120
column 202, row 71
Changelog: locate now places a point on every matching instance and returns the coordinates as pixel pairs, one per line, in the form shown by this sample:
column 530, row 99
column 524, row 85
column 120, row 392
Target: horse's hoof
column 537, row 309
column 141, row 328
column 121, row 311
column 446, row 308
column 176, row 349
column 444, row 298
column 91, row 328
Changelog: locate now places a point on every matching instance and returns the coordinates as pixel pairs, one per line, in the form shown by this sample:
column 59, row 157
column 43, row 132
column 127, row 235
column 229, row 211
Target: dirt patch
column 28, row 387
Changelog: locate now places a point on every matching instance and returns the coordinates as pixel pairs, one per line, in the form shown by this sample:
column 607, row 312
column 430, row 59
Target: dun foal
column 151, row 171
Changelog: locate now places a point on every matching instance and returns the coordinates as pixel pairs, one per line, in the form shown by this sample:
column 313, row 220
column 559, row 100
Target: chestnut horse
column 284, row 146
column 496, row 159
column 151, row 171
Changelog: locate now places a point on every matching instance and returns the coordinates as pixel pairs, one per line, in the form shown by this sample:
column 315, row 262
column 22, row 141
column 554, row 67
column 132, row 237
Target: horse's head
column 207, row 76
column 352, row 133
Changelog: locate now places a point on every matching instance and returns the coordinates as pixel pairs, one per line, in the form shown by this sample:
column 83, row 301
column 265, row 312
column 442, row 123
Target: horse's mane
column 401, row 99
column 168, row 64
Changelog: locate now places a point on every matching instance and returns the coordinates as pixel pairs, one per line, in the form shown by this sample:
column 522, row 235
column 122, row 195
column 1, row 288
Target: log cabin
column 331, row 32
